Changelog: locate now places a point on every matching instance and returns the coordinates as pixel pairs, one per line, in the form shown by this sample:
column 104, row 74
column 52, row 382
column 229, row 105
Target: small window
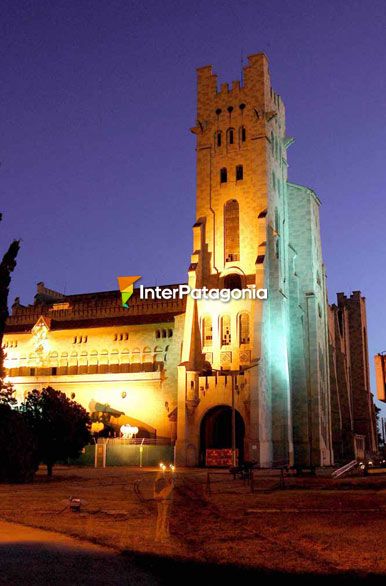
column 218, row 139
column 223, row 175
column 239, row 173
column 231, row 136
column 126, row 336
column 75, row 340
column 80, row 339
column 164, row 333
column 225, row 330
column 32, row 371
column 157, row 334
column 170, row 333
column 244, row 328
column 54, row 370
column 207, row 331
column 243, row 134
column 85, row 340
column 115, row 337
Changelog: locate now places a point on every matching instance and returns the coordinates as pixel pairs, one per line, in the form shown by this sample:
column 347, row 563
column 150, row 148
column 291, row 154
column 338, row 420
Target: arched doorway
column 216, row 431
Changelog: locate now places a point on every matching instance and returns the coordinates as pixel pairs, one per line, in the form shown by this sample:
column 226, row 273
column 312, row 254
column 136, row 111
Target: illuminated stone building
column 176, row 366
column 352, row 408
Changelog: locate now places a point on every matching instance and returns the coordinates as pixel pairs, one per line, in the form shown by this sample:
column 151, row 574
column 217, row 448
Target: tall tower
column 239, row 241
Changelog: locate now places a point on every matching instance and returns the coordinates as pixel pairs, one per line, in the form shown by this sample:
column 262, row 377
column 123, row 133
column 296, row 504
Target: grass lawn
column 315, row 525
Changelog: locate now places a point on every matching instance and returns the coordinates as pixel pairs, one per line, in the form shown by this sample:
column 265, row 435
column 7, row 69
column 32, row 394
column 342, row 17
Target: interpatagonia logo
column 126, row 287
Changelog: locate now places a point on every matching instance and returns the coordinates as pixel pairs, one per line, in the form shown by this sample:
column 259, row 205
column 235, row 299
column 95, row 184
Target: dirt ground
column 314, row 526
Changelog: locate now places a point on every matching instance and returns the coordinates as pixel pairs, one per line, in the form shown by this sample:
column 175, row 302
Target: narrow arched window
column 225, row 327
column 243, row 134
column 239, row 173
column 231, row 231
column 207, row 331
column 244, row 328
column 218, row 138
column 231, row 136
column 223, row 175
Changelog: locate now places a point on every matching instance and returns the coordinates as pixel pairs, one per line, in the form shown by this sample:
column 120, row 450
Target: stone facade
column 90, row 347
column 353, row 415
column 179, row 366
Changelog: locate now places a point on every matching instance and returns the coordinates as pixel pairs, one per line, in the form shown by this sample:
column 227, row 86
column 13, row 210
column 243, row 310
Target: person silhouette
column 163, row 494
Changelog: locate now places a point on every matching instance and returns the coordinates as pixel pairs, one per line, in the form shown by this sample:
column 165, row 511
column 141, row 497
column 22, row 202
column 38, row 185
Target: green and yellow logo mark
column 126, row 287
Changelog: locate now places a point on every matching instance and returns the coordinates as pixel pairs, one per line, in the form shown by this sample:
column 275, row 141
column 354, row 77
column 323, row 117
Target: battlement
column 255, row 84
column 356, row 297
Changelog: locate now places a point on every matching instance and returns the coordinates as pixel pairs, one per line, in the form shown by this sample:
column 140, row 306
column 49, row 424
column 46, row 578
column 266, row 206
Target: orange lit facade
column 178, row 365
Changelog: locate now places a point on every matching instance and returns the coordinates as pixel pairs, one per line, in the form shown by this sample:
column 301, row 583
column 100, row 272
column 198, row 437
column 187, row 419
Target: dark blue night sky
column 97, row 168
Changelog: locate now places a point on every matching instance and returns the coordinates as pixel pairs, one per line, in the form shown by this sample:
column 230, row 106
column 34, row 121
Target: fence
column 252, row 480
column 120, row 454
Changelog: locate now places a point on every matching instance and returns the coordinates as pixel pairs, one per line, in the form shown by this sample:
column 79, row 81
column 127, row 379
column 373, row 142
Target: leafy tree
column 18, row 448
column 7, row 266
column 61, row 426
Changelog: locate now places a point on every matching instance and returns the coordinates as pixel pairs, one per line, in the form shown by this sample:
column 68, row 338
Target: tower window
column 207, row 331
column 226, row 337
column 218, row 139
column 231, row 231
column 244, row 328
column 231, row 136
column 243, row 134
column 239, row 173
column 223, row 175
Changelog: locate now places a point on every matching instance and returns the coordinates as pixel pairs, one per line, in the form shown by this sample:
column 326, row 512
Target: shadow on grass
column 170, row 570
column 30, row 563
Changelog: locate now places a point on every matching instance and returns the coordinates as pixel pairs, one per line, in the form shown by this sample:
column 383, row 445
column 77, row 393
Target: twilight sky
column 97, row 170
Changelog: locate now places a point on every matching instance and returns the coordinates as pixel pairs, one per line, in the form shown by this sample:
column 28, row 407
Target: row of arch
column 147, row 360
column 230, row 136
column 225, row 329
